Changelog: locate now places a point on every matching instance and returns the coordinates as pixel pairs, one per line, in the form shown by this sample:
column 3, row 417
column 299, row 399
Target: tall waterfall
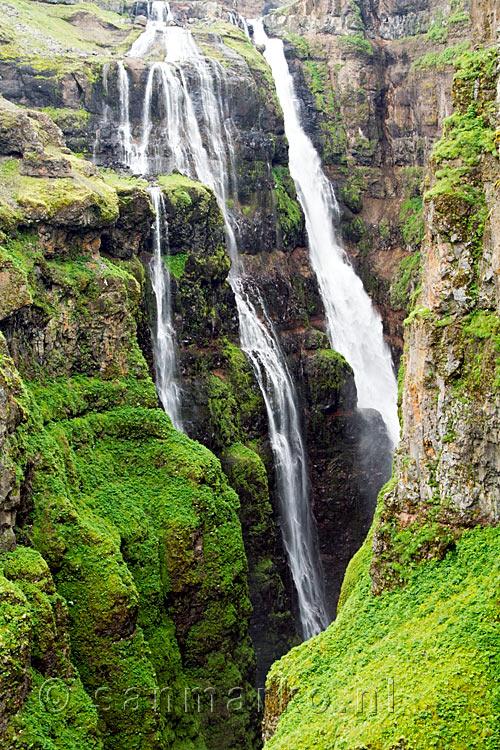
column 201, row 147
column 354, row 327
column 164, row 345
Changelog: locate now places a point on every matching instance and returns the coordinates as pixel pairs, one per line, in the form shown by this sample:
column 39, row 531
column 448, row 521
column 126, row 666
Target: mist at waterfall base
column 354, row 327
column 198, row 141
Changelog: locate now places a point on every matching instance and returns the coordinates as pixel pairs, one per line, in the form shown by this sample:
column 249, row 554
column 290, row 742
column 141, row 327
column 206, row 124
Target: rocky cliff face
column 413, row 654
column 375, row 81
column 124, row 577
column 75, row 81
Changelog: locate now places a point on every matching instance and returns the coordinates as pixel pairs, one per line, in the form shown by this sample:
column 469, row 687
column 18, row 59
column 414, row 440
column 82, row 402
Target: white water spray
column 354, row 327
column 202, row 147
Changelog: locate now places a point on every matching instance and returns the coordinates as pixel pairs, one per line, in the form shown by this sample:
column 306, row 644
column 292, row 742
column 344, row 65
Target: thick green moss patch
column 68, row 200
column 405, row 282
column 469, row 133
column 134, row 520
column 290, row 216
column 414, row 668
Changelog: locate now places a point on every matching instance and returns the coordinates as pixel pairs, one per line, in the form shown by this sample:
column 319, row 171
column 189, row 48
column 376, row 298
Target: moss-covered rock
column 270, row 622
column 127, row 590
column 395, row 671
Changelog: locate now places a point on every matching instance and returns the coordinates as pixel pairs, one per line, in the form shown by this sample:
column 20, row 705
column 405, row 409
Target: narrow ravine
column 201, row 148
column 354, row 326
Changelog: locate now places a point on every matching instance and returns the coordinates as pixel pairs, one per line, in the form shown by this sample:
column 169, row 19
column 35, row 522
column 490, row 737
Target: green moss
column 300, row 43
column 327, row 103
column 469, row 133
column 65, row 117
column 181, row 190
column 396, row 670
column 412, row 222
column 480, row 337
column 441, row 59
column 122, row 182
column 51, row 198
column 419, row 313
column 176, row 264
column 119, row 501
column 244, row 387
column 405, row 281
column 32, row 622
column 290, row 217
column 356, row 44
column 352, row 191
column 55, row 35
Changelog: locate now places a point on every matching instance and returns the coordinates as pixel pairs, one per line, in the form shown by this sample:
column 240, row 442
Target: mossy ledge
column 123, row 574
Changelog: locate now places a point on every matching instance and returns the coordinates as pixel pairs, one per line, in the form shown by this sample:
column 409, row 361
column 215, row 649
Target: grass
column 413, row 668
column 440, row 60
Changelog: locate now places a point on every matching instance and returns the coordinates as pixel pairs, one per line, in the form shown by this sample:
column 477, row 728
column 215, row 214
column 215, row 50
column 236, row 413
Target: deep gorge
column 198, row 397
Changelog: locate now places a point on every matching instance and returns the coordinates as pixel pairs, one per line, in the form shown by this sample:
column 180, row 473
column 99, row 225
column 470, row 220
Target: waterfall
column 201, row 147
column 299, row 533
column 164, row 346
column 134, row 157
column 124, row 129
column 354, row 327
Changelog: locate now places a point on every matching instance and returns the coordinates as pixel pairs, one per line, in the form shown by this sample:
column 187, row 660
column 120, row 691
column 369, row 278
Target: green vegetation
column 326, row 101
column 418, row 313
column 122, row 181
column 65, row 117
column 301, row 44
column 356, row 44
column 412, row 222
column 132, row 526
column 123, row 538
column 56, row 36
column 353, row 189
column 176, row 264
column 51, row 199
column 396, row 670
column 479, row 338
column 405, row 281
column 290, row 217
column 182, row 191
column 441, row 59
column 467, row 147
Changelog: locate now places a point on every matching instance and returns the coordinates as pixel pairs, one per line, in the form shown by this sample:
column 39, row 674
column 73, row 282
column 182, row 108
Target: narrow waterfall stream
column 202, row 149
column 354, row 327
column 164, row 345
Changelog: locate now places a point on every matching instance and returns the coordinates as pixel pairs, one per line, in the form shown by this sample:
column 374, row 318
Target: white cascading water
column 354, row 326
column 164, row 344
column 210, row 160
column 124, row 128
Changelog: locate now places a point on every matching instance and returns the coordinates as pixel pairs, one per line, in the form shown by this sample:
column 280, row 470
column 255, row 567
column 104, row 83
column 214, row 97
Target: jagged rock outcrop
column 446, row 473
column 123, row 572
column 413, row 654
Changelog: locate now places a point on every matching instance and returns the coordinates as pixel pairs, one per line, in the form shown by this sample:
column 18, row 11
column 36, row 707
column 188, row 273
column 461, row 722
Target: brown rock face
column 447, row 466
column 375, row 87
